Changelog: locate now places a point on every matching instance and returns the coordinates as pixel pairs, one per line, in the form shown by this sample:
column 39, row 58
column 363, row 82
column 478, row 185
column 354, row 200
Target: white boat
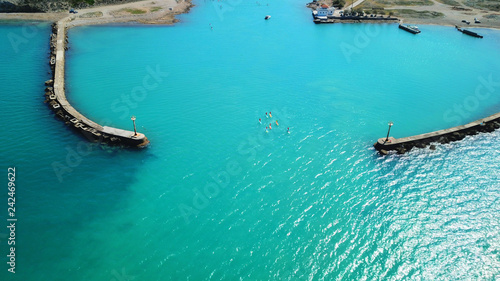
column 267, row 17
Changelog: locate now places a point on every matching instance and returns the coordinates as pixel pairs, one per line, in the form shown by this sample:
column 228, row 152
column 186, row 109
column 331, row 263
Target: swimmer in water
column 260, row 121
column 266, row 129
column 277, row 123
column 270, row 115
column 267, row 115
column 288, row 130
column 270, row 126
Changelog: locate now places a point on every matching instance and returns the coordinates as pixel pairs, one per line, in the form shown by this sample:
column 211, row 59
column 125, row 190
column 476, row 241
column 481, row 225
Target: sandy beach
column 146, row 12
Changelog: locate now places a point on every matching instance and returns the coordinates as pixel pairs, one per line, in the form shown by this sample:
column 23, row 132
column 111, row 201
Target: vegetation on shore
column 135, row 11
column 91, row 15
column 492, row 5
column 155, row 9
column 449, row 2
column 416, row 14
column 406, row 3
column 493, row 16
column 29, row 6
column 76, row 2
column 338, row 3
column 387, row 3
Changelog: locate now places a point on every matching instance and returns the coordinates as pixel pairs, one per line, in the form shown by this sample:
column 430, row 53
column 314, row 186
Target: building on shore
column 324, row 12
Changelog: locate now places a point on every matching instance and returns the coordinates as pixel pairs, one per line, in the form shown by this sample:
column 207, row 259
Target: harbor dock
column 410, row 28
column 402, row 145
column 356, row 19
column 56, row 98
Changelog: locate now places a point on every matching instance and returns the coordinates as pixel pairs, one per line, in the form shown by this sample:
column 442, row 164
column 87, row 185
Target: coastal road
column 352, row 6
column 356, row 3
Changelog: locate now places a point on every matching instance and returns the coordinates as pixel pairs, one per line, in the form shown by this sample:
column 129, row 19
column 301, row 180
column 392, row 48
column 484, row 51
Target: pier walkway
column 56, row 97
column 485, row 125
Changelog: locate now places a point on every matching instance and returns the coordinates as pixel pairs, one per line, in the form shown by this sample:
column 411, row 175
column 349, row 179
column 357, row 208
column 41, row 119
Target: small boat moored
column 267, row 17
column 410, row 28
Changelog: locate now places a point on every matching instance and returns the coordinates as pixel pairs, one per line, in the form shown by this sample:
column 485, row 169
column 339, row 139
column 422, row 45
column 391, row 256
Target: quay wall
column 356, row 19
column 56, row 98
column 402, row 145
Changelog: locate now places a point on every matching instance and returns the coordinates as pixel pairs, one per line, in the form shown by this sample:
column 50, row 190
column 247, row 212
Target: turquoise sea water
column 215, row 197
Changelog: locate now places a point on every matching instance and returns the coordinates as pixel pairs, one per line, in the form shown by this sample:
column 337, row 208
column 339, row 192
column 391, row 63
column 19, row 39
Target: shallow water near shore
column 215, row 196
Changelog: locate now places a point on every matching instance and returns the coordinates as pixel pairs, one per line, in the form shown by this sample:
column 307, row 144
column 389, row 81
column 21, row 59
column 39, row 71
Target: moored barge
column 410, row 28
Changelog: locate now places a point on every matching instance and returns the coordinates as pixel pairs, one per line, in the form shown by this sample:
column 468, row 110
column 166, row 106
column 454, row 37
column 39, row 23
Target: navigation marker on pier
column 135, row 131
column 390, row 125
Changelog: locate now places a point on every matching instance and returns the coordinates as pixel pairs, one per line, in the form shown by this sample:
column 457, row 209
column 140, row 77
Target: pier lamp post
column 133, row 120
column 390, row 125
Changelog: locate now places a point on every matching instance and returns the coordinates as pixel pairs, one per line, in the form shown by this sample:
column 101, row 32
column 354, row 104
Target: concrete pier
column 56, row 97
column 402, row 145
column 356, row 19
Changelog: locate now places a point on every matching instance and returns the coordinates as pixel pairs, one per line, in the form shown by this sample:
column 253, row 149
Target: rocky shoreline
column 146, row 12
column 49, row 6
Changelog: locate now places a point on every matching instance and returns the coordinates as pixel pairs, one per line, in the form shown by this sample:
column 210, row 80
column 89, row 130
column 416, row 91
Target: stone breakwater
column 56, row 98
column 402, row 145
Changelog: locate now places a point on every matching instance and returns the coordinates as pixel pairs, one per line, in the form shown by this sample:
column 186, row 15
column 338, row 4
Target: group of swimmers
column 270, row 115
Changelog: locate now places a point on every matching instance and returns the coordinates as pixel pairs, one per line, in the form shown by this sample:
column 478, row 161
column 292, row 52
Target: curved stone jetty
column 485, row 125
column 56, row 97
